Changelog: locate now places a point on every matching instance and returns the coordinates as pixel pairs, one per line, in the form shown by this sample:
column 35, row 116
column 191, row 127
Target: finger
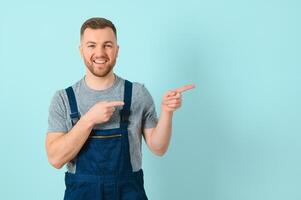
column 170, row 93
column 115, row 103
column 172, row 101
column 177, row 96
column 185, row 88
column 175, row 105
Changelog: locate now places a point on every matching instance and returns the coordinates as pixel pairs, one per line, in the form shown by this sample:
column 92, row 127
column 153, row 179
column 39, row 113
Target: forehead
column 98, row 35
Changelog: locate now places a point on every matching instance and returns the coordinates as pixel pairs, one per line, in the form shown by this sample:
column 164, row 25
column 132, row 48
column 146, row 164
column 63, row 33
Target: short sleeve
column 149, row 116
column 57, row 120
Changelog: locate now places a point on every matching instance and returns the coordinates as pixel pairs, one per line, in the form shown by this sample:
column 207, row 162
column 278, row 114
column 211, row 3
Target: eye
column 108, row 46
column 91, row 46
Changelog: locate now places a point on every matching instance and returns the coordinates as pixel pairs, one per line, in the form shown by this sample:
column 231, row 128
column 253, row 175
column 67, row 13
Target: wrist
column 85, row 119
column 167, row 113
column 166, row 110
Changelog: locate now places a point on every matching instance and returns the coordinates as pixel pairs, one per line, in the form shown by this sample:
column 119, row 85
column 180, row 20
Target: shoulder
column 137, row 87
column 139, row 90
column 60, row 95
column 141, row 94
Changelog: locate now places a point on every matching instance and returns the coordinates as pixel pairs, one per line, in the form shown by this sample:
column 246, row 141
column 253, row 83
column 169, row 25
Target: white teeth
column 99, row 61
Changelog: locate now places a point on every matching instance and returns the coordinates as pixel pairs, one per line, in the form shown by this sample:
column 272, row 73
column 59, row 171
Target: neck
column 100, row 83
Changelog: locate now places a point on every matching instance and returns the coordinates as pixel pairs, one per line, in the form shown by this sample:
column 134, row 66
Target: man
column 96, row 125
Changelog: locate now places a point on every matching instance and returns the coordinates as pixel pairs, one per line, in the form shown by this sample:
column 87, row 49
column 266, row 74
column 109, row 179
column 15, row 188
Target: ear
column 117, row 51
column 81, row 50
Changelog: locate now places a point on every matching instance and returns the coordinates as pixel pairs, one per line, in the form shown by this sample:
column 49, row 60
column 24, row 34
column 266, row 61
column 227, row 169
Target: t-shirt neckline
column 107, row 90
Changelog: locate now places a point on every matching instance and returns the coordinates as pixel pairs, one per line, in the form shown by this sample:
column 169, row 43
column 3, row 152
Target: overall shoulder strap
column 74, row 115
column 126, row 111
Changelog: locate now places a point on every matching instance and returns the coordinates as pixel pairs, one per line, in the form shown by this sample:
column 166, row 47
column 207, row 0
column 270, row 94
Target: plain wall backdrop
column 237, row 135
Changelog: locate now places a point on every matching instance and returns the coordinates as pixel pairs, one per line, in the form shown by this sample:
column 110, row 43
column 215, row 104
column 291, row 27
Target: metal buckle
column 74, row 115
column 74, row 118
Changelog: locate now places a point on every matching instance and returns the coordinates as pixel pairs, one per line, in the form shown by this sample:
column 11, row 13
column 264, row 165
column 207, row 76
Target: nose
column 100, row 51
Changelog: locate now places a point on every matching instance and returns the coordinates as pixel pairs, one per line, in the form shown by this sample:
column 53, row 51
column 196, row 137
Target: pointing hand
column 102, row 111
column 172, row 100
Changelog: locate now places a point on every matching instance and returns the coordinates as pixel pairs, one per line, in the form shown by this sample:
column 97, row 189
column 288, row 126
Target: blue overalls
column 103, row 166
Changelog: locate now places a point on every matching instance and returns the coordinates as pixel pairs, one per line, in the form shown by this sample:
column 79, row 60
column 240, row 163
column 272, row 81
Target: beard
column 100, row 72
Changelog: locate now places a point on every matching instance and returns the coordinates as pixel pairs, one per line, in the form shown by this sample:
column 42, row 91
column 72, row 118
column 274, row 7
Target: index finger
column 115, row 103
column 185, row 88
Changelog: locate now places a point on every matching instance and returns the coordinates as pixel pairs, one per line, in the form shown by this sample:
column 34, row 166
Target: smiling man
column 96, row 125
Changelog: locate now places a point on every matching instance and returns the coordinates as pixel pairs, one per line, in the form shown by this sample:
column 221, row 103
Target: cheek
column 112, row 53
column 87, row 55
column 87, row 59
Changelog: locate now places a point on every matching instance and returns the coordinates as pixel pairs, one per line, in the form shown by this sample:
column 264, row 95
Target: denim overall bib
column 103, row 166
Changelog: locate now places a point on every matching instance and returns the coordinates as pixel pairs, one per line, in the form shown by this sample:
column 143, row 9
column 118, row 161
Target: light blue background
column 237, row 136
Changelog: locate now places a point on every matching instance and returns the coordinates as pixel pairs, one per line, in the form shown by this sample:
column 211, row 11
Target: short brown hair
column 97, row 23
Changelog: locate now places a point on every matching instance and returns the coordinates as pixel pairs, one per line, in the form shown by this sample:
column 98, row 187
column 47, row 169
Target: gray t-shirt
column 143, row 113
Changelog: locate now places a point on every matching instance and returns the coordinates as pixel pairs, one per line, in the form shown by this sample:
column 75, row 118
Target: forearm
column 161, row 135
column 66, row 147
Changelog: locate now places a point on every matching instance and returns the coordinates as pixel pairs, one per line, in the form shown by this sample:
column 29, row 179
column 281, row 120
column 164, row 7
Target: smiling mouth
column 99, row 61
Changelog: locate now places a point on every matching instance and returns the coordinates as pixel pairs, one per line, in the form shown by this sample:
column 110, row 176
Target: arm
column 63, row 147
column 158, row 138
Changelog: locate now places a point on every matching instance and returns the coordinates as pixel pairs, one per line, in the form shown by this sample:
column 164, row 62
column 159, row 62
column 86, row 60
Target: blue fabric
column 74, row 115
column 103, row 165
column 126, row 111
column 91, row 187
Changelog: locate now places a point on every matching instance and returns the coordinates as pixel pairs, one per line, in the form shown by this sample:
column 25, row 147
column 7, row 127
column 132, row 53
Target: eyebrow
column 91, row 42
